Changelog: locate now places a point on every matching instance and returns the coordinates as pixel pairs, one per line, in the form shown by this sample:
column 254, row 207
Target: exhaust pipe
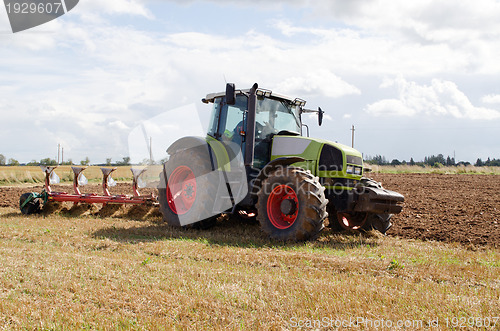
column 250, row 133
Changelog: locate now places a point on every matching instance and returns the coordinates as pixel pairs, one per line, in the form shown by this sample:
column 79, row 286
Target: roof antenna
column 225, row 80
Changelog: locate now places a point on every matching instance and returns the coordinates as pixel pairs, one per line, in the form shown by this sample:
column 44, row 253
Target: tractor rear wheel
column 32, row 206
column 186, row 191
column 291, row 205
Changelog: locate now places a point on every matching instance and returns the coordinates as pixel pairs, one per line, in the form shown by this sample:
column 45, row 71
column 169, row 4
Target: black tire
column 332, row 218
column 379, row 222
column 245, row 216
column 349, row 221
column 291, row 205
column 31, row 207
column 205, row 190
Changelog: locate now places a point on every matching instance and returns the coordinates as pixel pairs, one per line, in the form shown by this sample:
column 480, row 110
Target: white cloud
column 427, row 19
column 120, row 7
column 441, row 98
column 320, row 83
column 491, row 99
column 118, row 125
column 416, row 37
column 390, row 107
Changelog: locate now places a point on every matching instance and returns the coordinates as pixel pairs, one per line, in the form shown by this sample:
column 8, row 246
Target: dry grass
column 407, row 169
column 86, row 272
column 33, row 174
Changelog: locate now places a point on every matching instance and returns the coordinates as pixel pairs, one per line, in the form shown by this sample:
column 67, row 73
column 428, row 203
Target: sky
column 415, row 78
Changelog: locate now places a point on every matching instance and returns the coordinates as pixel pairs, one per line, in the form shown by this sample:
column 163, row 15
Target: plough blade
column 136, row 173
column 106, row 172
column 77, row 171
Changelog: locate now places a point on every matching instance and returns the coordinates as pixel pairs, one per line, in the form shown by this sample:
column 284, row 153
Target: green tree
column 85, row 162
column 2, row 160
column 13, row 162
column 125, row 162
column 108, row 162
column 48, row 162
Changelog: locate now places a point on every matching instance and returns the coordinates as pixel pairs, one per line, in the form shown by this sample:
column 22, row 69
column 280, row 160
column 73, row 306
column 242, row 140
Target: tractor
column 255, row 162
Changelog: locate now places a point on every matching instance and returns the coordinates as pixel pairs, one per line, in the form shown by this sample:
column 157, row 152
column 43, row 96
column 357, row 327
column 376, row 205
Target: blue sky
column 415, row 78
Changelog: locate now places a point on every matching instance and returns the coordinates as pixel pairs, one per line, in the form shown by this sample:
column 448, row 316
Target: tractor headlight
column 350, row 169
column 263, row 92
column 357, row 170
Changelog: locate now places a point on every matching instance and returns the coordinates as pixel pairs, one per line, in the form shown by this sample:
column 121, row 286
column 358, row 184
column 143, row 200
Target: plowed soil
column 449, row 208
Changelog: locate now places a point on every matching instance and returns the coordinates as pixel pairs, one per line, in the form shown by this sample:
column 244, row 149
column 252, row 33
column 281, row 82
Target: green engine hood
column 323, row 158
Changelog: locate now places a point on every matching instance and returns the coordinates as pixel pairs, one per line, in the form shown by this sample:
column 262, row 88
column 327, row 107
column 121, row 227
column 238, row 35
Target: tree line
column 51, row 162
column 433, row 161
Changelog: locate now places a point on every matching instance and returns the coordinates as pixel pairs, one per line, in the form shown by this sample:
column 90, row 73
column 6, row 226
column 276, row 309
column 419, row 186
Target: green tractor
column 255, row 163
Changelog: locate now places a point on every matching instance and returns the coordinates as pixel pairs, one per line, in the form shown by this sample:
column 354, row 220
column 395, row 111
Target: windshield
column 278, row 115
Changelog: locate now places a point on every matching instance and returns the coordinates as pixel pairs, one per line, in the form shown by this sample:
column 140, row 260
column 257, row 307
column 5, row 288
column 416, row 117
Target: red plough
column 30, row 202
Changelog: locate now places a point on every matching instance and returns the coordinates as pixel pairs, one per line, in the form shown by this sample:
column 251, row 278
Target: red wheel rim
column 181, row 190
column 282, row 207
column 351, row 221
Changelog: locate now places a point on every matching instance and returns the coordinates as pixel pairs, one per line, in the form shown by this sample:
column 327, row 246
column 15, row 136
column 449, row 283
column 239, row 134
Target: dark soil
column 450, row 208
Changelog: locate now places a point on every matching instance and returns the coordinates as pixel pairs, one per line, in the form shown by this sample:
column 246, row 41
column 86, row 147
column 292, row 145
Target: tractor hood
column 322, row 156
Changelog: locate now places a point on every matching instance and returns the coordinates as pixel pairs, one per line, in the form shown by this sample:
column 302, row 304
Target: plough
column 30, row 202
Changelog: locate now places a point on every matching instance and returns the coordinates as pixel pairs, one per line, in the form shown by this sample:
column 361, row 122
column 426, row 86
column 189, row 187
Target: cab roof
column 260, row 92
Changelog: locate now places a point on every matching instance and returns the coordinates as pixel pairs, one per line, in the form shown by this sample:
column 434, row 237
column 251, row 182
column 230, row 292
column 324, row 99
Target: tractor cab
column 233, row 119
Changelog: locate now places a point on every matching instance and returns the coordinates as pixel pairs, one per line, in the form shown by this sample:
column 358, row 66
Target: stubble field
column 121, row 268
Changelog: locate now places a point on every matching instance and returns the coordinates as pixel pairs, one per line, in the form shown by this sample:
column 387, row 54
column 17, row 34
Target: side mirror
column 320, row 116
column 230, row 94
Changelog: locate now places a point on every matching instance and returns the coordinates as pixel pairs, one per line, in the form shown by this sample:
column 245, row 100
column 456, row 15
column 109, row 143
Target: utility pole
column 352, row 138
column 62, row 155
column 150, row 150
column 58, row 153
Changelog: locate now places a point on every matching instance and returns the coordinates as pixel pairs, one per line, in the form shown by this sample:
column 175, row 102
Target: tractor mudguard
column 269, row 168
column 187, row 143
column 217, row 153
column 227, row 172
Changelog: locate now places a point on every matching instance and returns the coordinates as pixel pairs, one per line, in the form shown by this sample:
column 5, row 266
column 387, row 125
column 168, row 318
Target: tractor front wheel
column 291, row 205
column 380, row 222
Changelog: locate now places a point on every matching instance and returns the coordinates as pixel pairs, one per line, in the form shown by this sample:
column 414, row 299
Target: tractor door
column 228, row 123
column 272, row 117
